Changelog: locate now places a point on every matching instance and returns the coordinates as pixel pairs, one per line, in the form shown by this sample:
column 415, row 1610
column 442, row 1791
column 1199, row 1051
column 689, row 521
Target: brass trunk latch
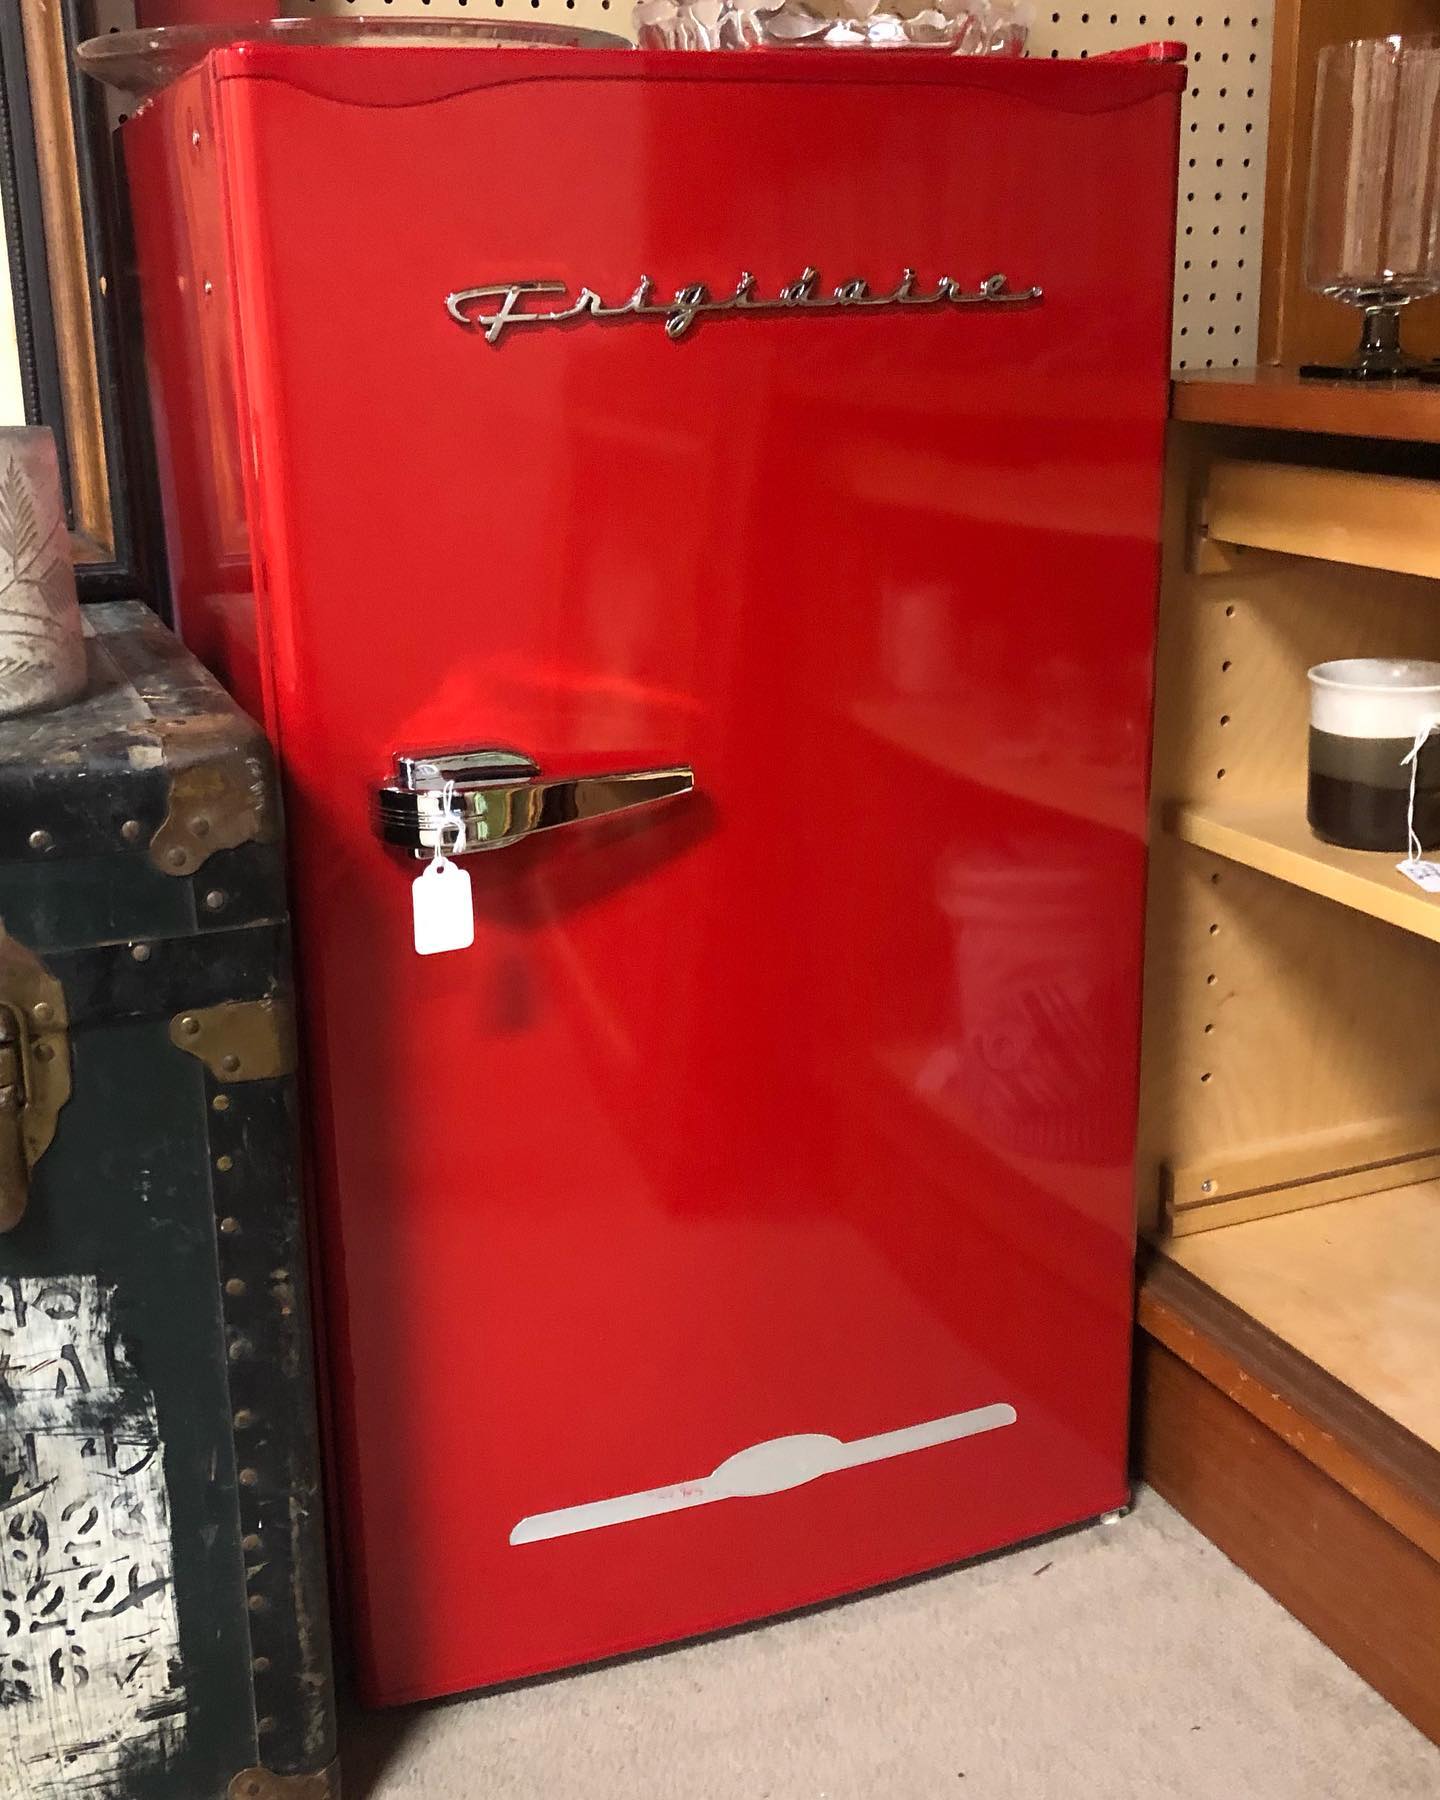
column 34, row 1070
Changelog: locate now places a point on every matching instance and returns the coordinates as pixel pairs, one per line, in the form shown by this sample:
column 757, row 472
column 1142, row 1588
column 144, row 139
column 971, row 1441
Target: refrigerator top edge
column 407, row 75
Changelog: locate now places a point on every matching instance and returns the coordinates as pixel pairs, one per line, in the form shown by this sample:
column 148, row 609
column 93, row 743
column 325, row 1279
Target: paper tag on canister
column 444, row 912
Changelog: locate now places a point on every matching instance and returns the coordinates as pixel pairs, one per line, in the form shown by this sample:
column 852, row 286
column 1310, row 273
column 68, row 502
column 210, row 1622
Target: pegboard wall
column 1223, row 131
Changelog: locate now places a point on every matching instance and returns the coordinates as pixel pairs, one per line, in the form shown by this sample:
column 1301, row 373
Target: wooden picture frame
column 76, row 322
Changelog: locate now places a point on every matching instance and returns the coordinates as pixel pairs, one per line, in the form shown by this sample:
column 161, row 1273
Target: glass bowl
column 141, row 62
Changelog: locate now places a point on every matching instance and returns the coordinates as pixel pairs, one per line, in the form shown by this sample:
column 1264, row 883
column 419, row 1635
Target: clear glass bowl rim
column 1394, row 40
column 115, row 56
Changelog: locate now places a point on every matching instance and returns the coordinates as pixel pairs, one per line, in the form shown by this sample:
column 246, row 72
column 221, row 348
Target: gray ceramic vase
column 42, row 650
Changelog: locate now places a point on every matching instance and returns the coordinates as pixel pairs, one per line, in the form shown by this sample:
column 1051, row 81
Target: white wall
column 12, row 405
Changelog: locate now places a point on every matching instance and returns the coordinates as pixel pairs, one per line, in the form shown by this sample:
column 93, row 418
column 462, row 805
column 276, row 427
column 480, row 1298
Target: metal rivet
column 258, row 1603
column 264, row 1725
column 209, row 288
column 261, row 1664
column 250, row 1478
column 42, row 1012
column 229, row 1226
column 244, row 1419
column 1207, row 1187
column 190, row 1025
column 215, row 899
column 177, row 856
column 199, row 826
column 41, row 840
column 230, row 1063
column 195, row 140
column 131, row 831
column 140, row 952
column 224, row 1164
column 250, row 1541
column 44, row 1052
column 239, row 1350
column 221, row 1103
column 235, row 1287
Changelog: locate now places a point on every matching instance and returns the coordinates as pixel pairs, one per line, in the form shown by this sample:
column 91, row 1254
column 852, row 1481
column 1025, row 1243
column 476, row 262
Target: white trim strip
column 771, row 1467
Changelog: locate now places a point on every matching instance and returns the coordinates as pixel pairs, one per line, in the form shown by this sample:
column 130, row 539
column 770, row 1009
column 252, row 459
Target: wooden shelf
column 1276, row 840
column 1354, row 1286
column 1338, row 515
column 1278, row 400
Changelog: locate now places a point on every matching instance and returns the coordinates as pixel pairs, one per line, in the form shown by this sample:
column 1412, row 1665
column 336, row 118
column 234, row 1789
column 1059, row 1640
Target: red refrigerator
column 739, row 476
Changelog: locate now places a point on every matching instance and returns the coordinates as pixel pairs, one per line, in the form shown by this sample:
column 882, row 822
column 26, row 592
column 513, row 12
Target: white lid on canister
column 1374, row 697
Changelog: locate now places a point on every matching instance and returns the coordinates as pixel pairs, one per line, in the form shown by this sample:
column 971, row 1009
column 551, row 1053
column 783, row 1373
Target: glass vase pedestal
column 1378, row 357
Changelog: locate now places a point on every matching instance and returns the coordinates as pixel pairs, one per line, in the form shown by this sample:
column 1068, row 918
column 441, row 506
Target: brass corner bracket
column 239, row 1040
column 217, row 801
column 264, row 1784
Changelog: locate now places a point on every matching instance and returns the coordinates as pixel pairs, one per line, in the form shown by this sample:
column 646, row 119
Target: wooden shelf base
column 1327, row 1503
column 1353, row 1286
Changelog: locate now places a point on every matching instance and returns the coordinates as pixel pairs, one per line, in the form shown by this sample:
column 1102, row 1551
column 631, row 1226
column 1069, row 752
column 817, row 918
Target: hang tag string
column 1426, row 727
column 450, row 818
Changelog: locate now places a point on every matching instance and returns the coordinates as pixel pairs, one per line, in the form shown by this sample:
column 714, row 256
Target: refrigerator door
column 746, row 1216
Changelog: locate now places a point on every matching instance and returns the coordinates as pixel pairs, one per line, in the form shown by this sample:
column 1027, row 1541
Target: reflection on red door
column 746, row 1217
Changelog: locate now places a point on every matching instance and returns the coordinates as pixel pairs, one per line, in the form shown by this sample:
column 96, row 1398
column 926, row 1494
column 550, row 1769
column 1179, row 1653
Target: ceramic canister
column 1365, row 715
column 42, row 650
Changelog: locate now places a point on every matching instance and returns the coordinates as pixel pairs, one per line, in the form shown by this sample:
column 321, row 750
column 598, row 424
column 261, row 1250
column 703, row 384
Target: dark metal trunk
column 163, row 1620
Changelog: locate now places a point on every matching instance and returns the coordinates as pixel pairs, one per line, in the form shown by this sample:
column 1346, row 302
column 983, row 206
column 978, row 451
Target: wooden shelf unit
column 1289, row 986
column 1290, row 1118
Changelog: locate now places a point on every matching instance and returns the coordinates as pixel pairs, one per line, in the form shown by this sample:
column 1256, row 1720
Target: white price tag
column 1424, row 874
column 444, row 913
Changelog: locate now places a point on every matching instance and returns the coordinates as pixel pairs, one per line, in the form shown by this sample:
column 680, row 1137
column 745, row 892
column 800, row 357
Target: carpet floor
column 1122, row 1662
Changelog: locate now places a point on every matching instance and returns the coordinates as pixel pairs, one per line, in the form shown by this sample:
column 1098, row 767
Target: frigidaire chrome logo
column 694, row 301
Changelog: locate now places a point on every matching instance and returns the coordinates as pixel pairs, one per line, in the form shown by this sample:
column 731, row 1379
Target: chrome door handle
column 500, row 796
